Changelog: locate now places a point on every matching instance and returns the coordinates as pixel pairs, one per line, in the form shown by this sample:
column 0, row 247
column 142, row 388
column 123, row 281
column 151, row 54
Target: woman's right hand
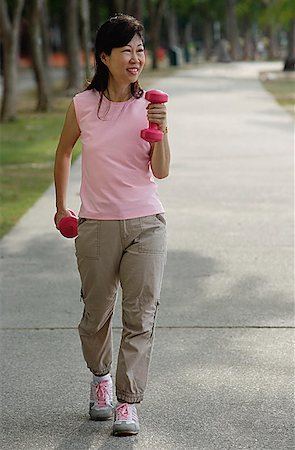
column 60, row 214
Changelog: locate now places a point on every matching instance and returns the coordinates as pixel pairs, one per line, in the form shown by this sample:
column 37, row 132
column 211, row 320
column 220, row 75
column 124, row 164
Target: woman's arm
column 160, row 151
column 69, row 135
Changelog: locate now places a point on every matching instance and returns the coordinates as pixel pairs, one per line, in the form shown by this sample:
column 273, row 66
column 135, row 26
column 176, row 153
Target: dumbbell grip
column 68, row 225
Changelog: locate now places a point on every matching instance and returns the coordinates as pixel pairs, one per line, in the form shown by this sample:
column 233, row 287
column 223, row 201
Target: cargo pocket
column 161, row 218
column 152, row 239
column 88, row 241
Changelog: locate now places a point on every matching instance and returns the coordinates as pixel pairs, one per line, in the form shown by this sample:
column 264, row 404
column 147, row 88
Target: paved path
column 221, row 375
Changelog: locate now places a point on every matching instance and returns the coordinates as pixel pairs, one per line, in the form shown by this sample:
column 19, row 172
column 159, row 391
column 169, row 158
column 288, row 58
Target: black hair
column 115, row 32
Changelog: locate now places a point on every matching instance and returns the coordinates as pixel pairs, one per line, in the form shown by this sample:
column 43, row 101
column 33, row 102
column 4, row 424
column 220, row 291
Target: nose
column 134, row 57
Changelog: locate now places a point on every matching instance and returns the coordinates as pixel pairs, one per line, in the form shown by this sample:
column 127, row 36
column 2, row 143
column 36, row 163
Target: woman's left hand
column 156, row 113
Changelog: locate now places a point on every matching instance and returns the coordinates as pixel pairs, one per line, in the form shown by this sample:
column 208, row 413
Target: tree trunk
column 132, row 7
column 173, row 33
column 95, row 17
column 187, row 39
column 232, row 29
column 115, row 6
column 137, row 10
column 208, row 39
column 72, row 46
column 248, row 54
column 156, row 11
column 45, row 27
column 290, row 60
column 248, row 49
column 10, row 37
column 273, row 50
column 154, row 46
column 85, row 36
column 128, row 7
column 173, row 37
column 40, row 67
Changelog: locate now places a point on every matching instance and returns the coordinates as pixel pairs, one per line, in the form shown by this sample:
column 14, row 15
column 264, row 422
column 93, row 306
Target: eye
column 140, row 50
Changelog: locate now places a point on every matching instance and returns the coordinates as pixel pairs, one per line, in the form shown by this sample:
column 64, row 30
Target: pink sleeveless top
column 117, row 182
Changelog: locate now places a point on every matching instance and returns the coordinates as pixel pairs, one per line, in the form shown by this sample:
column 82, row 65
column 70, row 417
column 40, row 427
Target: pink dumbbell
column 68, row 226
column 152, row 133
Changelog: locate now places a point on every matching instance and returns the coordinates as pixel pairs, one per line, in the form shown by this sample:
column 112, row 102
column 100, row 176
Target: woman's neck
column 118, row 94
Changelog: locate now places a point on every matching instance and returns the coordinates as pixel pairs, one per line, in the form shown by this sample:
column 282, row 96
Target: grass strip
column 282, row 86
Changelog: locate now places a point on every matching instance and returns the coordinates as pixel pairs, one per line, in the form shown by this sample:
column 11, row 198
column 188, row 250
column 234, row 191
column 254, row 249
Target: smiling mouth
column 133, row 71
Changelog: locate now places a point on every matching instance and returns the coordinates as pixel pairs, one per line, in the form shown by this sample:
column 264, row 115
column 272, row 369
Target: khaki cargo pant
column 131, row 252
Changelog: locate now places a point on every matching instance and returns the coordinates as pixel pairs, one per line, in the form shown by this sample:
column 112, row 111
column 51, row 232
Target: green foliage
column 250, row 9
column 55, row 7
column 280, row 12
column 213, row 9
column 266, row 12
column 11, row 4
column 184, row 8
column 263, row 13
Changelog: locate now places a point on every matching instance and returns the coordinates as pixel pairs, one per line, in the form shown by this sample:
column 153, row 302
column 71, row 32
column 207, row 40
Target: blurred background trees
column 45, row 34
column 10, row 23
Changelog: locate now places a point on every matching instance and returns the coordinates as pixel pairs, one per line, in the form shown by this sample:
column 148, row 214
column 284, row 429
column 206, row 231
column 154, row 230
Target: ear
column 103, row 58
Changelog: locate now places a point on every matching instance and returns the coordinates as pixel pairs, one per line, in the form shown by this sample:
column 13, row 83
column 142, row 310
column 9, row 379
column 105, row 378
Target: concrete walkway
column 222, row 370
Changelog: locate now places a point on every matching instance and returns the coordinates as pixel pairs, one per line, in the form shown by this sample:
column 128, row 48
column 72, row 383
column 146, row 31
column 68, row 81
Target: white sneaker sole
column 122, row 430
column 97, row 415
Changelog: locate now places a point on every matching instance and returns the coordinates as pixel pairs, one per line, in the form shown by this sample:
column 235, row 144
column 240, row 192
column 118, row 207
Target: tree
column 283, row 11
column 71, row 12
column 36, row 10
column 207, row 14
column 132, row 7
column 10, row 26
column 232, row 33
column 172, row 28
column 180, row 22
column 290, row 59
column 116, row 6
column 85, row 35
column 137, row 9
column 155, row 11
column 45, row 30
column 249, row 13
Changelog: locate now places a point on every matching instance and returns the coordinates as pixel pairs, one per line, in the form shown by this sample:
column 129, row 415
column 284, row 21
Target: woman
column 122, row 229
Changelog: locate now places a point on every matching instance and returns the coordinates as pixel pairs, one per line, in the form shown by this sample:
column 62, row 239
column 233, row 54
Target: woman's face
column 126, row 63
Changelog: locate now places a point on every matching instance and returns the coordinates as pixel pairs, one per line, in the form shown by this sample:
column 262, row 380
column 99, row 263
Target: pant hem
column 100, row 373
column 123, row 397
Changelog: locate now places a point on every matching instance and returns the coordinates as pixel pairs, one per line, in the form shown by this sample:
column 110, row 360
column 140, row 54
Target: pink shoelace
column 102, row 393
column 122, row 412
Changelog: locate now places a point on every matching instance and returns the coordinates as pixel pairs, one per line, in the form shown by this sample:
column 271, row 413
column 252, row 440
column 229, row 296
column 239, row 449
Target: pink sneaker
column 126, row 420
column 101, row 404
